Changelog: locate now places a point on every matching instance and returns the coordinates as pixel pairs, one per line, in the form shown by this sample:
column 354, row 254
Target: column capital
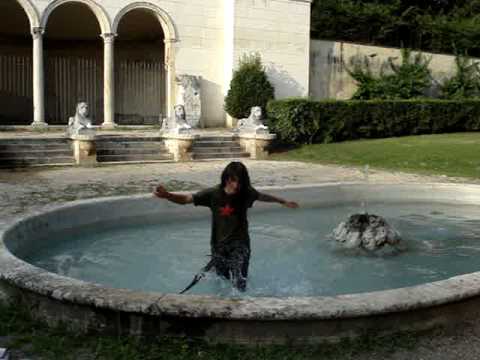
column 37, row 32
column 108, row 38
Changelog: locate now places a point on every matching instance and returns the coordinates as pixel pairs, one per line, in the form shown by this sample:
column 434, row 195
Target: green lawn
column 446, row 154
column 34, row 338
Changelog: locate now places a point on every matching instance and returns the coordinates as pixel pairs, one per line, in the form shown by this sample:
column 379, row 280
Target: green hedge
column 302, row 121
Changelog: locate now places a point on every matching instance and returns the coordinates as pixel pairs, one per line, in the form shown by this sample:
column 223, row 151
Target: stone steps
column 112, row 149
column 154, row 145
column 23, row 152
column 212, row 149
column 10, row 154
column 27, row 162
column 36, row 141
column 134, row 157
column 131, row 151
column 217, row 147
column 213, row 156
column 33, row 151
column 30, row 147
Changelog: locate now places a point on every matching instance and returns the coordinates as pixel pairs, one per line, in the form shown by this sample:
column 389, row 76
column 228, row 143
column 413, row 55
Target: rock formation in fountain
column 367, row 231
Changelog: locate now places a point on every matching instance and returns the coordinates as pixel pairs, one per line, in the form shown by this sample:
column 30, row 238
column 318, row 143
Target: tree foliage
column 249, row 87
column 429, row 25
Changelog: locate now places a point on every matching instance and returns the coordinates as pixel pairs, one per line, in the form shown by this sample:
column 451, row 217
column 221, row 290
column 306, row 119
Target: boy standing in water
column 229, row 202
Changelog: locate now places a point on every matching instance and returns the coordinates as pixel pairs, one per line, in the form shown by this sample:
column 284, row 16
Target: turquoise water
column 293, row 253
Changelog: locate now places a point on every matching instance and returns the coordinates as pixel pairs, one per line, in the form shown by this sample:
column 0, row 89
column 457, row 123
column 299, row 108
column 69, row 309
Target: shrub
column 249, row 87
column 301, row 121
column 465, row 83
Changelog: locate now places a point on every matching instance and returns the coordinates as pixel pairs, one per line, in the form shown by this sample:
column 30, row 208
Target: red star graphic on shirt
column 226, row 210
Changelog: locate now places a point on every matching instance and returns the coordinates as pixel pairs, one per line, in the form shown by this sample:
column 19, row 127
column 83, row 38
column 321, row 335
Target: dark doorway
column 74, row 63
column 140, row 76
column 16, row 75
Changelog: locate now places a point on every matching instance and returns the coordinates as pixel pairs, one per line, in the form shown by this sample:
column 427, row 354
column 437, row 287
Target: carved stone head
column 180, row 112
column 82, row 109
column 256, row 114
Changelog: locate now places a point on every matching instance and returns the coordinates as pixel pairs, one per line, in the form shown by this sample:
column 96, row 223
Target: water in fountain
column 367, row 231
column 292, row 254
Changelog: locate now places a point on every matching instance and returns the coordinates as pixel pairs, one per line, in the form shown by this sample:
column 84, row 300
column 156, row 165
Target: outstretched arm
column 270, row 198
column 181, row 199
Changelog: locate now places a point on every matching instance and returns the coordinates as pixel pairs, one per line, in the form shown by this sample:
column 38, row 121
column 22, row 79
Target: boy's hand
column 161, row 192
column 290, row 204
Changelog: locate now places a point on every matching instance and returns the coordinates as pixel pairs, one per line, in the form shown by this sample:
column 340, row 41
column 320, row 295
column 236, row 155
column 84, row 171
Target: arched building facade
column 123, row 56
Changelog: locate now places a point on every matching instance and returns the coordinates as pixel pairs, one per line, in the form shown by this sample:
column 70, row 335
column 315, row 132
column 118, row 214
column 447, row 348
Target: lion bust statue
column 80, row 123
column 253, row 123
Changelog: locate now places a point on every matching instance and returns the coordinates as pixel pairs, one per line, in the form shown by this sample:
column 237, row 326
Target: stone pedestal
column 84, row 150
column 180, row 145
column 230, row 122
column 39, row 126
column 256, row 144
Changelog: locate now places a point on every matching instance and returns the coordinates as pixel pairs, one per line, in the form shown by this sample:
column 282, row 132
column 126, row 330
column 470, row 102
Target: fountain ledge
column 53, row 296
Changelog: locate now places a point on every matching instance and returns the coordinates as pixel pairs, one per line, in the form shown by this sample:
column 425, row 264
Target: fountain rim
column 21, row 274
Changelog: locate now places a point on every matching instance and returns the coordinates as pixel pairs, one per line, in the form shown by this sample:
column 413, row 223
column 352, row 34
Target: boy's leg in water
column 239, row 268
column 234, row 267
column 221, row 268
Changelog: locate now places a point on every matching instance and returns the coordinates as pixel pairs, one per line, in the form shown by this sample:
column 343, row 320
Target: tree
column 249, row 87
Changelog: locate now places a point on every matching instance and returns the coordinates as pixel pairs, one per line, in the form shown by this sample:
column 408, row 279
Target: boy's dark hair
column 236, row 170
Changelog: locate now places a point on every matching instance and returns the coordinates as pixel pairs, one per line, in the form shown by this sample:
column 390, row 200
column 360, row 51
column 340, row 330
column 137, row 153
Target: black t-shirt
column 229, row 217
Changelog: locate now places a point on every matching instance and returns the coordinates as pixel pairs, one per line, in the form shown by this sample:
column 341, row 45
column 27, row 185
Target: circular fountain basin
column 259, row 316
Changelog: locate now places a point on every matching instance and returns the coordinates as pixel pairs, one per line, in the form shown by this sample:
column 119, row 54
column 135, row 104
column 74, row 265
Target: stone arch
column 165, row 21
column 100, row 13
column 31, row 12
column 170, row 34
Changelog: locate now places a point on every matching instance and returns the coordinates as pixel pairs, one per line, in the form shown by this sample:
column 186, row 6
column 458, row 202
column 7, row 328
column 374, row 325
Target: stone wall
column 280, row 31
column 329, row 79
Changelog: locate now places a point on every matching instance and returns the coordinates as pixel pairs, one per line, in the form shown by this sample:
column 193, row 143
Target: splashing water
column 365, row 201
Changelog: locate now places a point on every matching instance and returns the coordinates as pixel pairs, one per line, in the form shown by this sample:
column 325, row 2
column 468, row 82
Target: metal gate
column 70, row 80
column 140, row 92
column 16, row 89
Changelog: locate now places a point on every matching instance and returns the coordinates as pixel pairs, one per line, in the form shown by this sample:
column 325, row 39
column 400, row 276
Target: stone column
column 38, row 79
column 228, row 53
column 108, row 82
column 170, row 69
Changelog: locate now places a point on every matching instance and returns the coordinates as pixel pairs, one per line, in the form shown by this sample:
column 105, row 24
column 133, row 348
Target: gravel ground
column 24, row 190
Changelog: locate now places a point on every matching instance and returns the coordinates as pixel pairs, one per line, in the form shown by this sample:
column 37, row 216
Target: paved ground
column 25, row 190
